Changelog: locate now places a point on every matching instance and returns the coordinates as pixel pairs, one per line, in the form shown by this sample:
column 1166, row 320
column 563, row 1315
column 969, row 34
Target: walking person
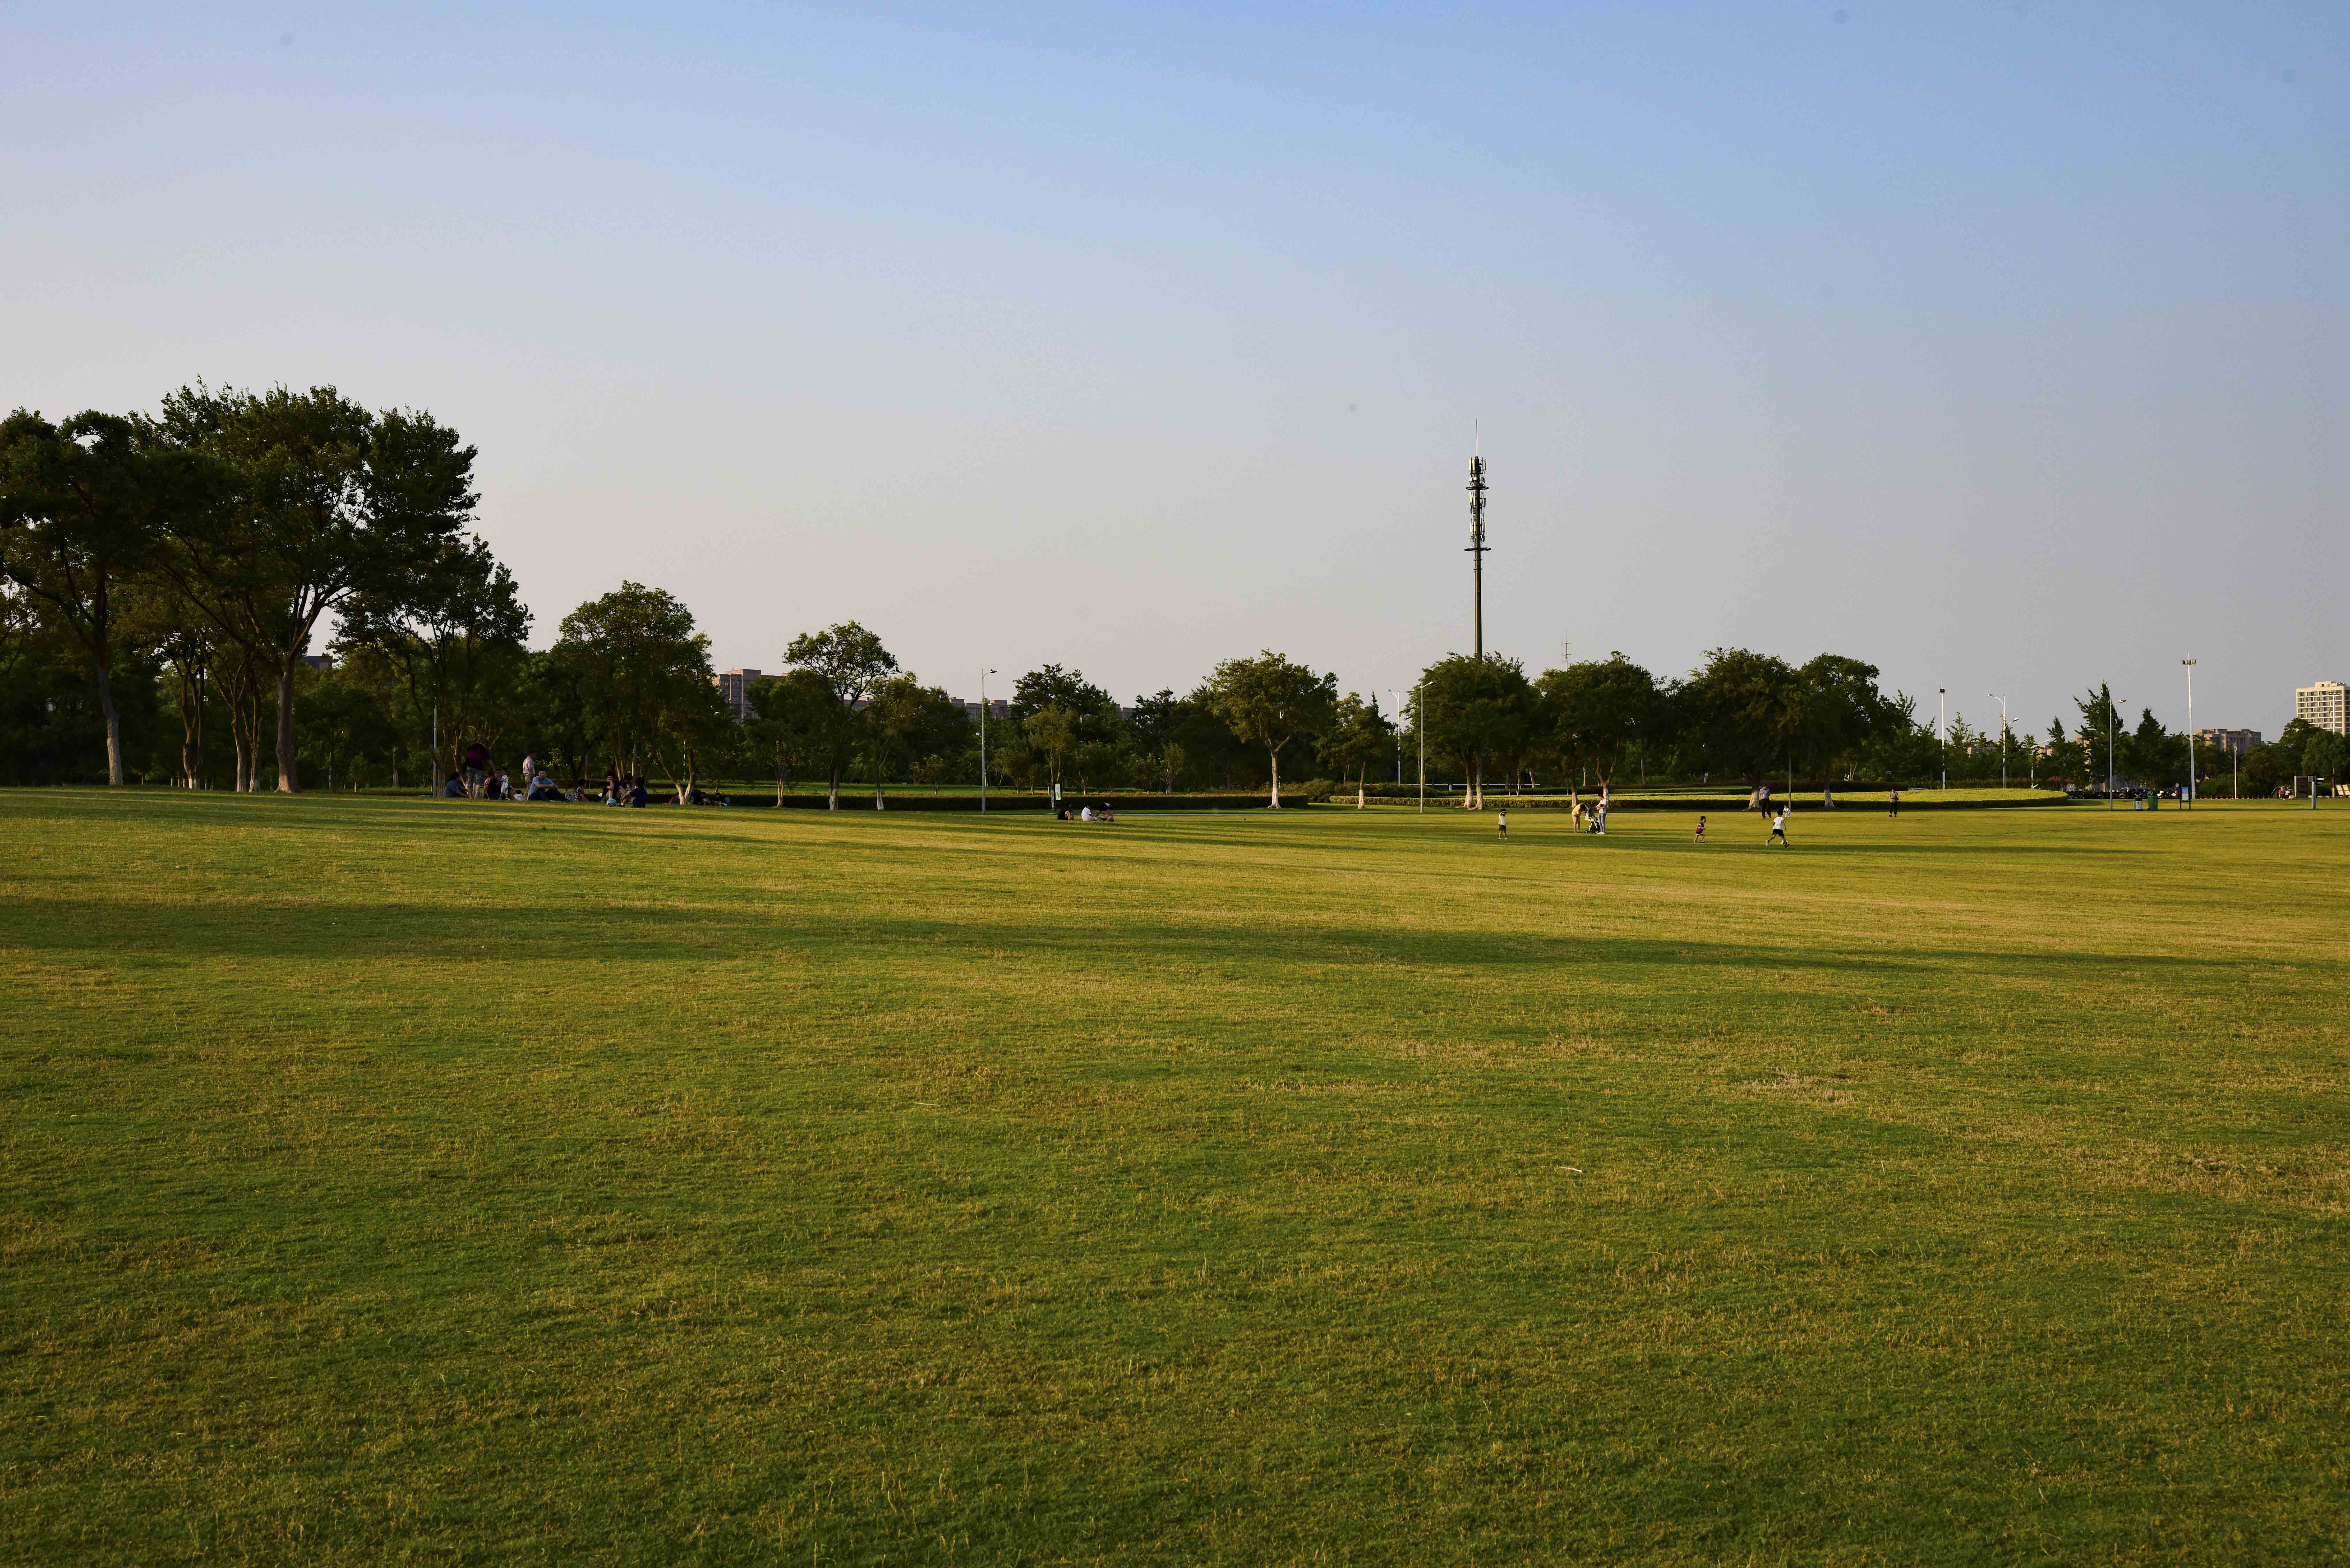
column 1778, row 831
column 1893, row 806
column 1700, row 829
column 477, row 769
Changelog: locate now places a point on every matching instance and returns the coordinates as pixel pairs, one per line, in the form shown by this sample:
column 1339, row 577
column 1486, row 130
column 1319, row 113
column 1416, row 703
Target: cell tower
column 1477, row 543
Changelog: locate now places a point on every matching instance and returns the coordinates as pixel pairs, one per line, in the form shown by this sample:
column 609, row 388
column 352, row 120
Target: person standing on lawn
column 1505, row 824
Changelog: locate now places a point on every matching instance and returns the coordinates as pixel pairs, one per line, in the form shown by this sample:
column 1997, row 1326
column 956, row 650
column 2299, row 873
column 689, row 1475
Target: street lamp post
column 2002, row 736
column 2190, row 730
column 2109, row 751
column 982, row 740
column 1943, row 724
column 1420, row 712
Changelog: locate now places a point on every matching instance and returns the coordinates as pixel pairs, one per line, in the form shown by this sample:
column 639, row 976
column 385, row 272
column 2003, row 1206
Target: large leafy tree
column 850, row 661
column 1269, row 701
column 1478, row 713
column 447, row 645
column 1595, row 713
column 1745, row 711
column 1051, row 732
column 792, row 718
column 640, row 671
column 1090, row 708
column 908, row 722
column 1157, row 730
column 80, row 512
column 2152, row 754
column 1359, row 739
column 324, row 501
column 1844, row 709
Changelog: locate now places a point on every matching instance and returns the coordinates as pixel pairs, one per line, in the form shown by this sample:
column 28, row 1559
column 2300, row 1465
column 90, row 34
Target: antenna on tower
column 1476, row 539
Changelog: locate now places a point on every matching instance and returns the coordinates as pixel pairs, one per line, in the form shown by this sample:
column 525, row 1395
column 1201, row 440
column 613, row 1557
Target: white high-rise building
column 2325, row 704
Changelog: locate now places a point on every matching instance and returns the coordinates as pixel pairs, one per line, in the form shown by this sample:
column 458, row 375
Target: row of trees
column 164, row 578
column 207, row 542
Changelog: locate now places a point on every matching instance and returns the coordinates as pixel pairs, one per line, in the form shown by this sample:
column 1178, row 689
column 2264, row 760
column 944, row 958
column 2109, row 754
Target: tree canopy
column 1269, row 701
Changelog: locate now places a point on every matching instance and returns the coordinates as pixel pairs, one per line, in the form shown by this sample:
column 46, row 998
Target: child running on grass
column 1778, row 831
column 1700, row 829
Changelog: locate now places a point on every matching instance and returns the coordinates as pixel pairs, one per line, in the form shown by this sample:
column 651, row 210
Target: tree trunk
column 1275, row 752
column 288, row 783
column 832, row 801
column 113, row 722
column 238, row 750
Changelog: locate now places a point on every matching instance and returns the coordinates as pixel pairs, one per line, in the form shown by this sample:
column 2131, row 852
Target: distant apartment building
column 2325, row 704
column 2228, row 739
column 735, row 691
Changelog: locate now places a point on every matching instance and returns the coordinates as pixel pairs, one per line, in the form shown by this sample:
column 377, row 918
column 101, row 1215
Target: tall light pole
column 2002, row 736
column 1943, row 724
column 2190, row 730
column 1420, row 712
column 982, row 740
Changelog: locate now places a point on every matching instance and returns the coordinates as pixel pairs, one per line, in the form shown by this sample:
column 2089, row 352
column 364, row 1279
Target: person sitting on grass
column 637, row 795
column 1102, row 813
column 1700, row 829
column 454, row 789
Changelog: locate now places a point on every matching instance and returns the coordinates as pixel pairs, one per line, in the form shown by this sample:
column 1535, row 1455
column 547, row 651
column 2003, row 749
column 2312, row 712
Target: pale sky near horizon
column 1999, row 345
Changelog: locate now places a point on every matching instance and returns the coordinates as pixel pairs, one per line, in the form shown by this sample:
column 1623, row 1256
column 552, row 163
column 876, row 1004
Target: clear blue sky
column 2002, row 346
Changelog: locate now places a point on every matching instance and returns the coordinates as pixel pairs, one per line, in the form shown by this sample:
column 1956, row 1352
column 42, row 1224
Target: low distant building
column 2238, row 741
column 998, row 709
column 735, row 691
column 321, row 662
column 2325, row 704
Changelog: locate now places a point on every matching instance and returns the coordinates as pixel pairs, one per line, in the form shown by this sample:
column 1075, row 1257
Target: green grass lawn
column 415, row 1181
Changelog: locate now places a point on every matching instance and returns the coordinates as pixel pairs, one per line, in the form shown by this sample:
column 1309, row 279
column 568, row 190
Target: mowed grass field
column 411, row 1181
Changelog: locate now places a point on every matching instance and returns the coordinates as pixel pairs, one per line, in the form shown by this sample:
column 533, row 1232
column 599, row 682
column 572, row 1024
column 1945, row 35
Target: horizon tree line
column 175, row 570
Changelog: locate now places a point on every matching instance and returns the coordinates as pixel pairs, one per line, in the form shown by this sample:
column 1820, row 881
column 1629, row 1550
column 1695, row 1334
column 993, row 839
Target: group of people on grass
column 1598, row 818
column 477, row 778
column 1101, row 813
